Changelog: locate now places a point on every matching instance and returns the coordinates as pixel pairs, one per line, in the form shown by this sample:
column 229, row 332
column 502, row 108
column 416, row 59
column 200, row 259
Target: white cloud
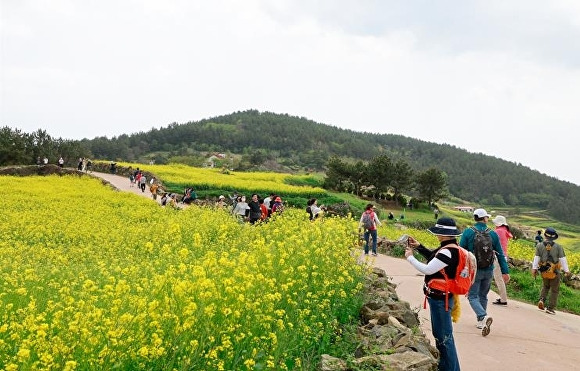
column 433, row 71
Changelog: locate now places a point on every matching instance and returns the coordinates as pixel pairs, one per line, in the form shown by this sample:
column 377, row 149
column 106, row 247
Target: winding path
column 522, row 337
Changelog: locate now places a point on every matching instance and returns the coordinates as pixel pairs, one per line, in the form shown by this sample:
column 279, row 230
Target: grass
column 523, row 287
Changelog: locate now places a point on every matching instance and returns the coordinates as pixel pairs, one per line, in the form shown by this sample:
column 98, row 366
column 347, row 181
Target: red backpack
column 464, row 275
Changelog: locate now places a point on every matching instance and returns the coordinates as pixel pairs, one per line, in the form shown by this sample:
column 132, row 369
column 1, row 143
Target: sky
column 500, row 78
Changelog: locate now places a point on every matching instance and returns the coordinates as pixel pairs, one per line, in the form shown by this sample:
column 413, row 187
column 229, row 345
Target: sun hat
column 445, row 227
column 499, row 221
column 222, row 197
column 481, row 213
column 551, row 233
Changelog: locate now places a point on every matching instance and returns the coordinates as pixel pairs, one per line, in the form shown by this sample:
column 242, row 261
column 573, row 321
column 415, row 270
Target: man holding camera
column 550, row 260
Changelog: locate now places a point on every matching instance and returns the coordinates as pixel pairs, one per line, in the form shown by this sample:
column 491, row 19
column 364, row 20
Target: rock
column 329, row 363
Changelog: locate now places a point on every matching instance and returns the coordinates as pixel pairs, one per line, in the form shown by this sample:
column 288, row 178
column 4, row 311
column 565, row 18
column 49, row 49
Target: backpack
column 309, row 211
column 483, row 248
column 549, row 269
column 367, row 220
column 464, row 275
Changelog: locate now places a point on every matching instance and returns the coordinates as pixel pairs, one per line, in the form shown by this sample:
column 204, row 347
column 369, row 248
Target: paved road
column 522, row 337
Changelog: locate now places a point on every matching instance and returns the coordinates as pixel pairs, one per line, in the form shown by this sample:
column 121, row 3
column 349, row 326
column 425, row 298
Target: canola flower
column 249, row 182
column 95, row 279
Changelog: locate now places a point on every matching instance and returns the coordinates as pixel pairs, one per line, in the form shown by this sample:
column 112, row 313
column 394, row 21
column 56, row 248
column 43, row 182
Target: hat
column 499, row 220
column 550, row 233
column 481, row 213
column 278, row 199
column 445, row 227
column 221, row 197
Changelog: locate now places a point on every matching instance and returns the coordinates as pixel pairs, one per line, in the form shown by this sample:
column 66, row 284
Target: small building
column 464, row 209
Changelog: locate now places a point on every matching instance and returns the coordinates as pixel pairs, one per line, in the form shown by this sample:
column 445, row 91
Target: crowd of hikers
column 257, row 209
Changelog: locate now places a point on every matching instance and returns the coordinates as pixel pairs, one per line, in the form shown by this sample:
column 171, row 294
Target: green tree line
column 296, row 143
column 383, row 178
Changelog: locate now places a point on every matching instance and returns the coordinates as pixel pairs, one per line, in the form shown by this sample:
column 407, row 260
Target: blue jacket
column 467, row 243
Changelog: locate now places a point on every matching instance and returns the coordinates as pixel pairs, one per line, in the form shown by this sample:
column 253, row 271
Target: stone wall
column 390, row 336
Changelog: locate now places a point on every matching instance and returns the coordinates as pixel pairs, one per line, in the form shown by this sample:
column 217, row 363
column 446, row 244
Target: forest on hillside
column 265, row 139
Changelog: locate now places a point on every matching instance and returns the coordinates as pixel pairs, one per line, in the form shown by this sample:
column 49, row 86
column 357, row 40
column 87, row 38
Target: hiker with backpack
column 550, row 260
column 369, row 221
column 484, row 244
column 447, row 274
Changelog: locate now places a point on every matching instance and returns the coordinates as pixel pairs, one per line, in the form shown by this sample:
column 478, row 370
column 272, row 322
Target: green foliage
column 522, row 286
column 305, row 180
column 295, row 143
column 432, row 185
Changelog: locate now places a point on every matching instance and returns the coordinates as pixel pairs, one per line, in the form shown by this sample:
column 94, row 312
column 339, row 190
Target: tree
column 402, row 179
column 432, row 185
column 380, row 173
column 13, row 147
column 337, row 172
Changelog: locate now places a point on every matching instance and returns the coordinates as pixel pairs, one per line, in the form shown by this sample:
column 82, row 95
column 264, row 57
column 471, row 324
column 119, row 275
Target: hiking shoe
column 487, row 326
column 541, row 305
column 499, row 302
column 550, row 311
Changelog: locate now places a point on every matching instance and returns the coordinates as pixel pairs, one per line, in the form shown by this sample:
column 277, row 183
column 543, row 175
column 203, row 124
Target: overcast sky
column 496, row 77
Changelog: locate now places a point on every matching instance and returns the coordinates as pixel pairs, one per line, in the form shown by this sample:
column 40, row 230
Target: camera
column 544, row 267
column 403, row 240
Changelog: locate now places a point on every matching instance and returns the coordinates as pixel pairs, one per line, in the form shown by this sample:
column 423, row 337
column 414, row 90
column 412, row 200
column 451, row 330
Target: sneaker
column 550, row 311
column 499, row 302
column 487, row 326
column 541, row 305
column 374, row 254
column 480, row 324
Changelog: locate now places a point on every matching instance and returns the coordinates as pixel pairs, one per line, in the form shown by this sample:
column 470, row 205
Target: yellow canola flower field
column 201, row 178
column 95, row 279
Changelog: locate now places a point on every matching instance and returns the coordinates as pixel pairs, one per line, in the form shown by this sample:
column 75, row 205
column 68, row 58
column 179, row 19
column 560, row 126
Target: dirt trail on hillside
column 522, row 337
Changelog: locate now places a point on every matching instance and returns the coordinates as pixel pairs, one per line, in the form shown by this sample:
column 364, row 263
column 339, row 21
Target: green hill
column 253, row 140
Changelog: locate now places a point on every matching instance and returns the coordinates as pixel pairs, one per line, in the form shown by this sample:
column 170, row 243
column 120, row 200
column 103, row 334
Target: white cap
column 222, row 197
column 481, row 213
column 499, row 220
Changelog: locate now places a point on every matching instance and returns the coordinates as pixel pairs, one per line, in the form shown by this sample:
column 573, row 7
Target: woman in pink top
column 503, row 231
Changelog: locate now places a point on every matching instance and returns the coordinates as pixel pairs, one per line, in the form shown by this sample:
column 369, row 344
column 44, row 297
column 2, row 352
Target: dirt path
column 123, row 184
column 521, row 336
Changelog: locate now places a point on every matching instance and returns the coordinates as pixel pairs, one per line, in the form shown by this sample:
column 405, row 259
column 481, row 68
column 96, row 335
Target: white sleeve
column 564, row 263
column 535, row 262
column 377, row 221
column 434, row 265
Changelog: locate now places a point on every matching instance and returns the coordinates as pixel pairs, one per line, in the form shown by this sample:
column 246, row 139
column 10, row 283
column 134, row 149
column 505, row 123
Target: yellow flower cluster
column 96, row 279
column 202, row 178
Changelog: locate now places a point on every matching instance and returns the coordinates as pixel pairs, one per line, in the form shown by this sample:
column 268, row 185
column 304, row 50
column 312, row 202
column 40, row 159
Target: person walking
column 315, row 210
column 503, row 231
column 549, row 260
column 153, row 189
column 484, row 244
column 369, row 221
column 444, row 258
column 255, row 213
column 221, row 202
column 539, row 237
